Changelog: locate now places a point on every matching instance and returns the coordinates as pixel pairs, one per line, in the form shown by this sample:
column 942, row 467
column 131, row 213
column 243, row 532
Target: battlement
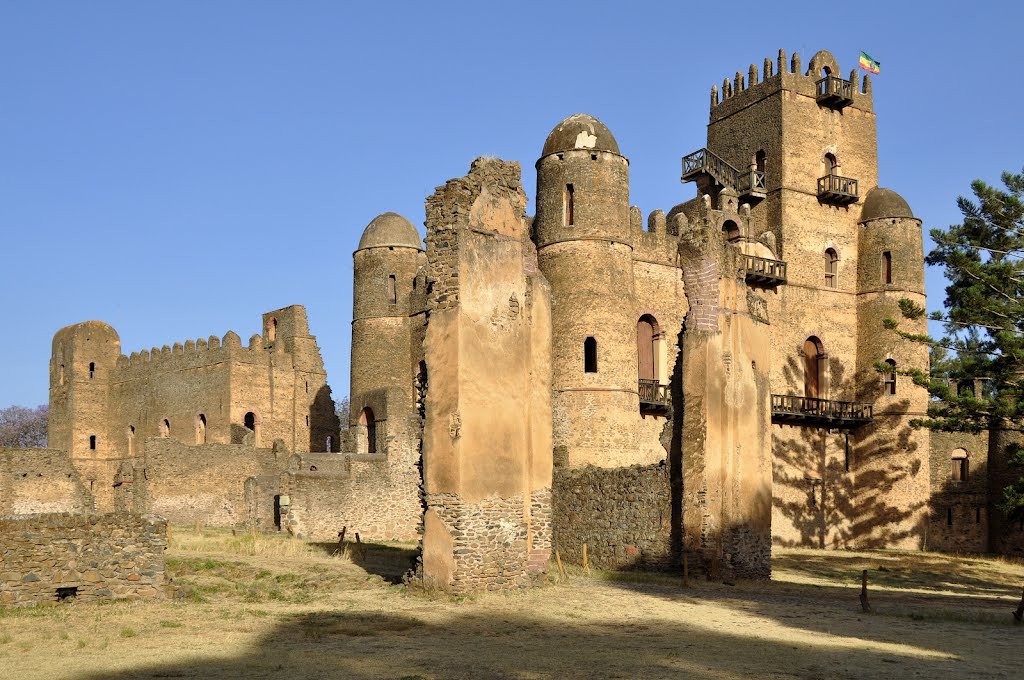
column 659, row 242
column 200, row 352
column 821, row 81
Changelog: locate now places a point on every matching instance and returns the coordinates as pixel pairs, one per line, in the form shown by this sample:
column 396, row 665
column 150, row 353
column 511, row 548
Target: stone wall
column 623, row 515
column 958, row 518
column 41, row 480
column 48, row 557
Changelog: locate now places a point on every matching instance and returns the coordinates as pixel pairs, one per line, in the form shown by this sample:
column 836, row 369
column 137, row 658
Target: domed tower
column 82, row 365
column 584, row 248
column 890, row 267
column 387, row 316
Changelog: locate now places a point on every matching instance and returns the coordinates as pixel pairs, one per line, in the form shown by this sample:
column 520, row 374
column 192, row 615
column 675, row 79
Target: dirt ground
column 281, row 609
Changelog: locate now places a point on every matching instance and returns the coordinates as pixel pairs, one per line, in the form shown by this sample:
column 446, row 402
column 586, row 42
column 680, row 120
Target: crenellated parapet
column 822, row 81
column 201, row 352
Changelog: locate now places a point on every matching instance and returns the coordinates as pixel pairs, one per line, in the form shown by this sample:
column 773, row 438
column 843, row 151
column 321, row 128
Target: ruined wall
column 487, row 432
column 44, row 557
column 206, row 484
column 958, row 518
column 623, row 515
column 41, row 481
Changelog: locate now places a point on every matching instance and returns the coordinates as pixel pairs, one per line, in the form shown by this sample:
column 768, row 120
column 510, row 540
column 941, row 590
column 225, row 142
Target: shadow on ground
column 390, row 562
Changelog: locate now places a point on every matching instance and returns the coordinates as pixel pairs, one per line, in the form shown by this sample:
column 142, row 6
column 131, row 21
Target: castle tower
column 890, row 267
column 81, row 367
column 387, row 320
column 584, row 247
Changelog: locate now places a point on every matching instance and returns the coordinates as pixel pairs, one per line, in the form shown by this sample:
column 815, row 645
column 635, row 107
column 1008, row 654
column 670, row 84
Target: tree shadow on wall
column 851, row 499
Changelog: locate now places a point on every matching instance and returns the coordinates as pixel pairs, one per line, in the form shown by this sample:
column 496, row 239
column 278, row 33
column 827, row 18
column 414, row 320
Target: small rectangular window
column 949, row 516
column 92, row 442
column 392, row 289
column 977, row 515
column 590, row 355
column 569, row 205
column 887, row 267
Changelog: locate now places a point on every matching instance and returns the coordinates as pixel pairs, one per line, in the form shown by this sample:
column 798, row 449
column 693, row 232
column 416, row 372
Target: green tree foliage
column 23, row 428
column 983, row 259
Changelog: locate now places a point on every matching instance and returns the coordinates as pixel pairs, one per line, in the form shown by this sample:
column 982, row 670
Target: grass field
column 269, row 607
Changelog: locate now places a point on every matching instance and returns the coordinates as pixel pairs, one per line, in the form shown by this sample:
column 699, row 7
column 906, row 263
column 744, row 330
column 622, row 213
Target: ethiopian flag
column 869, row 64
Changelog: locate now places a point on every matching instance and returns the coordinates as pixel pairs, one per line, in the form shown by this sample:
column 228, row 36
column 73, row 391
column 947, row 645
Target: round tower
column 386, row 309
column 890, row 267
column 585, row 249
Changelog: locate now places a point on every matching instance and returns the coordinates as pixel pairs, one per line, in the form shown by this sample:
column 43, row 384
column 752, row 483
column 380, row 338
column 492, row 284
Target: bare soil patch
column 284, row 609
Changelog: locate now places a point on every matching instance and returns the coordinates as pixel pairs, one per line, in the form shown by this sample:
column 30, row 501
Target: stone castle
column 709, row 385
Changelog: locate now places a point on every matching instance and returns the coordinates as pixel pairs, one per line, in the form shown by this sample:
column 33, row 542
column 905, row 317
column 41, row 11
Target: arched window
column 569, row 205
column 760, row 158
column 92, row 369
column 831, row 164
column 131, row 440
column 590, row 355
column 272, row 330
column 731, row 231
column 250, row 421
column 825, row 72
column 367, row 420
column 889, row 378
column 814, row 368
column 831, row 268
column 92, row 442
column 887, row 267
column 62, row 374
column 647, row 339
column 328, row 446
column 960, row 465
column 165, row 428
column 200, row 429
column 392, row 289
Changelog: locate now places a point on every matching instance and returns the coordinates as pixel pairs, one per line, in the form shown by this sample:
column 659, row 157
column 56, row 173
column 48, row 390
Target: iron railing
column 653, row 393
column 834, row 92
column 764, row 270
column 791, row 409
column 836, row 189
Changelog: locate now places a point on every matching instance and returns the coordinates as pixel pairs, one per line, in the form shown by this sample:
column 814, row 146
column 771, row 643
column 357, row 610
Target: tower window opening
column 814, row 368
column 760, row 158
column 846, row 453
column 887, row 267
column 200, row 429
column 949, row 516
column 392, row 289
column 92, row 369
column 831, row 268
column 131, row 440
column 569, row 207
column 272, row 330
column 977, row 515
column 165, row 428
column 250, row 421
column 307, row 421
column 731, row 231
column 367, row 420
column 328, row 444
column 889, row 381
column 960, row 465
column 92, row 442
column 61, row 376
column 831, row 164
column 590, row 355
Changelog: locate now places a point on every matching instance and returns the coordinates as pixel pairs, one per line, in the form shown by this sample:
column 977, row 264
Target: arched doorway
column 367, row 421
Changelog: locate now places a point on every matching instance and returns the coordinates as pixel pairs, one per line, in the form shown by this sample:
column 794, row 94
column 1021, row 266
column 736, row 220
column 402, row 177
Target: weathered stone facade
column 50, row 557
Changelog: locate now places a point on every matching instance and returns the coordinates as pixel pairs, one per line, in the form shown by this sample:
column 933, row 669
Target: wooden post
column 586, row 563
column 864, row 604
column 1018, row 615
column 561, row 569
column 686, row 570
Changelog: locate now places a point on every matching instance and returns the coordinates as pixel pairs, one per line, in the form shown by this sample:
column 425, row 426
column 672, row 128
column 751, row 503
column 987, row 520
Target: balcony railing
column 749, row 184
column 834, row 93
column 836, row 189
column 653, row 396
column 764, row 271
column 789, row 409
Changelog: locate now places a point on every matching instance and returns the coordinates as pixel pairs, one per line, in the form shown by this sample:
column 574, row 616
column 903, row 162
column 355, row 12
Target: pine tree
column 983, row 259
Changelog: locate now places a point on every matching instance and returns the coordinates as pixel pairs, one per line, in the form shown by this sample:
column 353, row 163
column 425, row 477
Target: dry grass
column 269, row 607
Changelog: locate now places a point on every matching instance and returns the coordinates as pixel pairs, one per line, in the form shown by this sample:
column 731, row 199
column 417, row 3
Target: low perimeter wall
column 44, row 558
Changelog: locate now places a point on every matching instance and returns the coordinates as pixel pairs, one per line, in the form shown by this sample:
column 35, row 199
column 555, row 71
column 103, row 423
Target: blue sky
column 176, row 169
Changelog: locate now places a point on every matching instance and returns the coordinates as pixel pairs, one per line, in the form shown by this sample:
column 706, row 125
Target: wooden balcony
column 653, row 397
column 763, row 271
column 834, row 93
column 837, row 190
column 750, row 185
column 788, row 409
